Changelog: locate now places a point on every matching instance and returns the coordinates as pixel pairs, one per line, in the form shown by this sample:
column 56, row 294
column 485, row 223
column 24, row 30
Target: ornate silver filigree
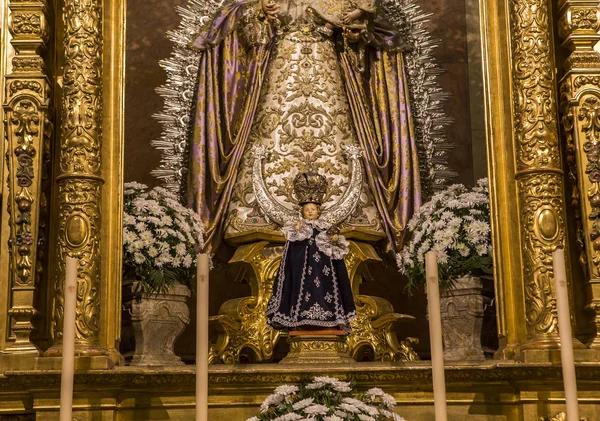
column 427, row 98
column 279, row 214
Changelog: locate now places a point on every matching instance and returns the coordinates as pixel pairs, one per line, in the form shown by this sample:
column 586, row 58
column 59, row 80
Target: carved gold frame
column 524, row 167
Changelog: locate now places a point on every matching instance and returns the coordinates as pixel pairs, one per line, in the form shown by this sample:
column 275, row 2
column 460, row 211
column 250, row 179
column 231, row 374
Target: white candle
column 435, row 336
column 202, row 338
column 566, row 338
column 68, row 340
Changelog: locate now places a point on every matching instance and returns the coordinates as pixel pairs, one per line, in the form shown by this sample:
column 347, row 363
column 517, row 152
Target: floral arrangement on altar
column 326, row 399
column 161, row 238
column 456, row 224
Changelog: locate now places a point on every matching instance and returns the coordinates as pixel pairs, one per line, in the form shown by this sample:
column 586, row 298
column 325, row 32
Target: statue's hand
column 352, row 16
column 298, row 225
column 270, row 8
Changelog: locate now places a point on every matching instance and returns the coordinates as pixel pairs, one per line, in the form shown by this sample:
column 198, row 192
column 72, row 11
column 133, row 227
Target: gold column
column 539, row 174
column 508, row 275
column 580, row 106
column 80, row 179
column 28, row 128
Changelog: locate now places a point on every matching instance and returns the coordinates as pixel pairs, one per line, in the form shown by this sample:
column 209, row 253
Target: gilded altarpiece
column 28, row 132
column 580, row 116
column 528, row 217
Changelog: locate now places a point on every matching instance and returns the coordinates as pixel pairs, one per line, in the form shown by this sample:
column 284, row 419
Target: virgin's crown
column 310, row 187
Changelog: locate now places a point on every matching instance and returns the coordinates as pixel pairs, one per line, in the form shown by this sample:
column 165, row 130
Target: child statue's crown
column 310, row 187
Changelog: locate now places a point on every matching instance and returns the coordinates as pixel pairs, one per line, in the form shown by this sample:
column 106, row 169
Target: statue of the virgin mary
column 303, row 79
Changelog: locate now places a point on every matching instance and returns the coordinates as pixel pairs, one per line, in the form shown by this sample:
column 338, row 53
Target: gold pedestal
column 317, row 347
column 242, row 332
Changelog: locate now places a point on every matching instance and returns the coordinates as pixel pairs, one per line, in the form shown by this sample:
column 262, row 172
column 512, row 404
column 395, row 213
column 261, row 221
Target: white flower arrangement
column 456, row 224
column 326, row 399
column 161, row 238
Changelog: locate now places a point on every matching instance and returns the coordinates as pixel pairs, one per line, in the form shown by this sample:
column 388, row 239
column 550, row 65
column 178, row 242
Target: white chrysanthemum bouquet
column 456, row 224
column 326, row 399
column 161, row 238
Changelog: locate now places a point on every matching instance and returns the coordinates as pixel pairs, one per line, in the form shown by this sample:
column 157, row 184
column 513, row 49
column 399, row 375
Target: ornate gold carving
column 580, row 109
column 28, row 132
column 317, row 349
column 539, row 174
column 542, row 231
column 80, row 181
column 243, row 334
column 28, row 24
column 241, row 324
column 28, row 64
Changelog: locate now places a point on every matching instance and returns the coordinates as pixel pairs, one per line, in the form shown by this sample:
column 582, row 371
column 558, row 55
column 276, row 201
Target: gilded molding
column 28, row 132
column 539, row 176
column 80, row 180
column 580, row 118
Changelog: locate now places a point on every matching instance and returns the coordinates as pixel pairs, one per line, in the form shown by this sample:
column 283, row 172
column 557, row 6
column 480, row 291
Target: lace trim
column 337, row 250
column 283, row 320
column 292, row 234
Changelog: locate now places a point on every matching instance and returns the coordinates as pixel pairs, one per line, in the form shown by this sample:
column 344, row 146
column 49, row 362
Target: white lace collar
column 317, row 223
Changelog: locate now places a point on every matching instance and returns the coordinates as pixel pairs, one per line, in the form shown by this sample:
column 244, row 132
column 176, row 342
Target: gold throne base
column 242, row 333
column 317, row 347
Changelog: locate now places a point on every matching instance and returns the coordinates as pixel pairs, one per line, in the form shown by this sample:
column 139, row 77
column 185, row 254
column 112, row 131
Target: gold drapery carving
column 580, row 116
column 538, row 165
column 80, row 179
column 28, row 129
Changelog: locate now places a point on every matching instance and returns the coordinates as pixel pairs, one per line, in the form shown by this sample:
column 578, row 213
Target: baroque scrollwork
column 539, row 175
column 543, row 231
column 533, row 84
column 80, row 181
column 580, row 107
column 28, row 132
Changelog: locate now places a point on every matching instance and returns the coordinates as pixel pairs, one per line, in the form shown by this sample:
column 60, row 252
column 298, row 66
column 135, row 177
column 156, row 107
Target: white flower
column 141, row 227
column 128, row 219
column 349, row 408
column 285, row 389
column 180, row 249
column 333, row 418
column 146, row 237
column 289, row 417
column 270, row 400
column 152, row 251
column 187, row 261
column 167, row 220
column 481, row 249
column 364, row 417
column 139, row 258
column 128, row 236
column 316, row 409
column 302, row 403
column 462, row 249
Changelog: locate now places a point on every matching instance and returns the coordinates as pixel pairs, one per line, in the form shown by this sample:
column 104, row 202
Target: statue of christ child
column 312, row 288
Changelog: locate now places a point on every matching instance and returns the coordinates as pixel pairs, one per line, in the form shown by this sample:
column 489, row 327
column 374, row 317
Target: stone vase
column 462, row 311
column 157, row 321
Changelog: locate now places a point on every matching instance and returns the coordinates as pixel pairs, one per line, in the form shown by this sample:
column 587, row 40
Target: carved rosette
column 539, row 175
column 580, row 118
column 80, row 181
column 28, row 132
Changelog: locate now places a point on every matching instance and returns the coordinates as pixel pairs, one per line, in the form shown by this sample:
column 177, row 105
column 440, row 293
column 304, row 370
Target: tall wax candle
column 435, row 335
column 68, row 340
column 202, row 338
column 566, row 338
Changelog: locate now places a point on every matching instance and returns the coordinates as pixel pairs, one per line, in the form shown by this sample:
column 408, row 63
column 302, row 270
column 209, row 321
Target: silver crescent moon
column 279, row 214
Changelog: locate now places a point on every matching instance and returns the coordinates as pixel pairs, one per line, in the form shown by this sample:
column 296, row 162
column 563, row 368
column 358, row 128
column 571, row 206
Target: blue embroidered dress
column 312, row 287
